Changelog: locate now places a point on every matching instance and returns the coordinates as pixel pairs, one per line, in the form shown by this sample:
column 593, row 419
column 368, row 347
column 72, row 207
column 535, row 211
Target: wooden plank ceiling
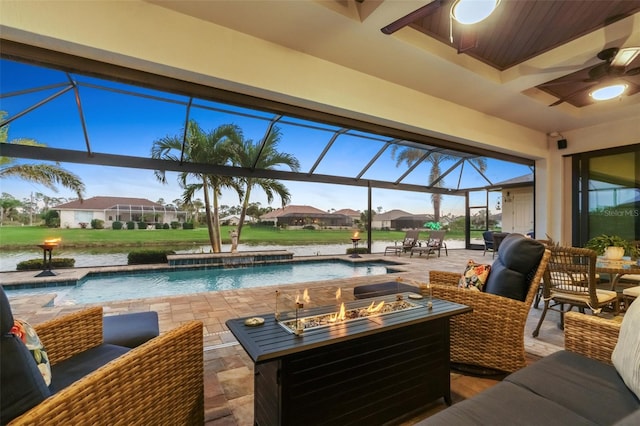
column 520, row 30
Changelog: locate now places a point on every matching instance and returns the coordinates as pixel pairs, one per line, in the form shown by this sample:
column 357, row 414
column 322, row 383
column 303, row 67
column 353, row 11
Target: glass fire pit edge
column 298, row 325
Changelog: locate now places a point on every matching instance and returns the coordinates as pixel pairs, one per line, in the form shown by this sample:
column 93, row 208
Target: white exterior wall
column 517, row 210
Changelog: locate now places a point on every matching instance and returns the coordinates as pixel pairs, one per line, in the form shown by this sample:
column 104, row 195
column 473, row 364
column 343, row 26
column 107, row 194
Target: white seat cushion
column 631, row 277
column 603, row 296
column 632, row 291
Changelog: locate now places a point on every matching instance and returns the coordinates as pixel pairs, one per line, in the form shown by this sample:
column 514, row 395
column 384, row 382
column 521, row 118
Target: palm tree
column 205, row 148
column 264, row 157
column 47, row 175
column 411, row 155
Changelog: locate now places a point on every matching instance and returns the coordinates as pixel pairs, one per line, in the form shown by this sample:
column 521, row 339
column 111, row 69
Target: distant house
column 354, row 215
column 384, row 220
column 412, row 221
column 234, row 220
column 299, row 216
column 77, row 214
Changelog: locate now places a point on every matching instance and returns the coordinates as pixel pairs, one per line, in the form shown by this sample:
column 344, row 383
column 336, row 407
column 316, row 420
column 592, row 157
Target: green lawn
column 28, row 236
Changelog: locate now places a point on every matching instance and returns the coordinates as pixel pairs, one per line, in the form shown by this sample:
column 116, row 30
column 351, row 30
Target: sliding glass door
column 606, row 194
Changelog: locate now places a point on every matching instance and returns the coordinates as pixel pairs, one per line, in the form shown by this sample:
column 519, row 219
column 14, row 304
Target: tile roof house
column 78, row 214
column 299, row 216
column 384, row 220
column 353, row 214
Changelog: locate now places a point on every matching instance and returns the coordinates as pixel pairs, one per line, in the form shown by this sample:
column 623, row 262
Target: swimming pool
column 97, row 288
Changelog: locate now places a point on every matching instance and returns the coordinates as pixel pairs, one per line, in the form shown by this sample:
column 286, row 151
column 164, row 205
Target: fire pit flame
column 298, row 325
column 338, row 316
column 373, row 308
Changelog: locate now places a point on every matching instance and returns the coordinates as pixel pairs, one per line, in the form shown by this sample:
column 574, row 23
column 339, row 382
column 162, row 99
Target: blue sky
column 119, row 123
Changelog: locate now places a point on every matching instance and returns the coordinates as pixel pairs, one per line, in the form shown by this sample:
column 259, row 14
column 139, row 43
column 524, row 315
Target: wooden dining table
column 617, row 268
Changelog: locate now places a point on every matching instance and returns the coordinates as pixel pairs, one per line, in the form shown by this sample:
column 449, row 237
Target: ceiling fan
column 459, row 12
column 614, row 66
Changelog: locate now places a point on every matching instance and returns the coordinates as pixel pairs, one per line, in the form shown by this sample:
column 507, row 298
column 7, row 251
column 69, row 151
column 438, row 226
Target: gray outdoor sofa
column 575, row 386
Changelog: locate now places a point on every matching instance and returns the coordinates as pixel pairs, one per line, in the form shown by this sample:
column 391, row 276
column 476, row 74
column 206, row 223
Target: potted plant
column 612, row 246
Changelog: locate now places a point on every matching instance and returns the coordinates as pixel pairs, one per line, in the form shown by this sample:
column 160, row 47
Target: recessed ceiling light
column 608, row 92
column 473, row 11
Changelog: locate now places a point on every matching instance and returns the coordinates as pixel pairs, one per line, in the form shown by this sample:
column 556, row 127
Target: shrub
column 309, row 227
column 142, row 225
column 144, row 257
column 187, row 225
column 269, row 223
column 158, row 225
column 97, row 224
column 51, row 218
column 36, row 264
column 116, row 225
column 175, row 225
column 361, row 250
column 166, row 226
column 131, row 225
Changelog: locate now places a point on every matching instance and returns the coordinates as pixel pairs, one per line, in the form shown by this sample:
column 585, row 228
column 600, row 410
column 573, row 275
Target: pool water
column 122, row 286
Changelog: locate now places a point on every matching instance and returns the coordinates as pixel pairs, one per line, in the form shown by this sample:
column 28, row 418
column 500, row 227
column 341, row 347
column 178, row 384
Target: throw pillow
column 474, row 276
column 27, row 334
column 626, row 354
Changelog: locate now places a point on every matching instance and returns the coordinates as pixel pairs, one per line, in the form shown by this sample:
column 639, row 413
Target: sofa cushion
column 6, row 317
column 27, row 334
column 626, row 354
column 511, row 273
column 590, row 388
column 21, row 384
column 506, row 403
column 475, row 276
column 632, row 419
column 73, row 369
column 130, row 330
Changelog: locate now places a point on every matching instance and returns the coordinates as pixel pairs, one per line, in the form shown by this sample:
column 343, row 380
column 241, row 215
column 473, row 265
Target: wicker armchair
column 491, row 336
column 159, row 382
column 594, row 337
column 571, row 280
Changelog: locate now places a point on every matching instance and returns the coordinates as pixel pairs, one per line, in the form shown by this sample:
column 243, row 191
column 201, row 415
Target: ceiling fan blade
column 625, row 56
column 425, row 10
column 468, row 39
column 561, row 83
column 632, row 72
column 570, row 95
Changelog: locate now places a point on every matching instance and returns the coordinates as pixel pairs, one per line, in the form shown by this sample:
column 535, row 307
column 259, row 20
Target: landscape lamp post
column 47, row 247
column 354, row 239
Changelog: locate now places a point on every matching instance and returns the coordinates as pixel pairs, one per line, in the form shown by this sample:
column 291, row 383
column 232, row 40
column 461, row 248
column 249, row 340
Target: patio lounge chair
column 95, row 383
column 409, row 241
column 434, row 244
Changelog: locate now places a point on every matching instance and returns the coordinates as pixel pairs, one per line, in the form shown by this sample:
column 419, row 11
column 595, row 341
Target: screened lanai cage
column 105, row 124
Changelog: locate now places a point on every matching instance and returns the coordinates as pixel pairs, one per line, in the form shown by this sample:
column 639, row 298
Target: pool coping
column 73, row 276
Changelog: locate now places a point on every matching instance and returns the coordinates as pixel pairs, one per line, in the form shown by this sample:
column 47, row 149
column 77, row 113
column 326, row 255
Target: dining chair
column 570, row 279
column 497, row 240
column 487, row 236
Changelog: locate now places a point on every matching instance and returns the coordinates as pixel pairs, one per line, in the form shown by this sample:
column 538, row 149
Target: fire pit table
column 367, row 370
